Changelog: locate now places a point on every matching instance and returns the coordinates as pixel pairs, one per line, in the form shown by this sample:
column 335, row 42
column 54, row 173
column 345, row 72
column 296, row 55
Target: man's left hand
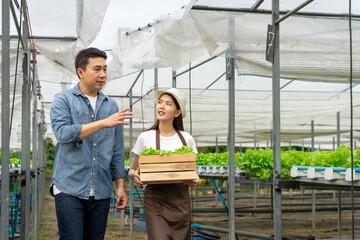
column 121, row 199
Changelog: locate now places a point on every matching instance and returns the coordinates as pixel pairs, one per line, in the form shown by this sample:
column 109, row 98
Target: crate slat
column 165, row 167
column 167, row 159
column 167, row 177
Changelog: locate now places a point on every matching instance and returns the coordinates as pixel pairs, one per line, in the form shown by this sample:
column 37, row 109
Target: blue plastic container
column 197, row 237
column 140, row 225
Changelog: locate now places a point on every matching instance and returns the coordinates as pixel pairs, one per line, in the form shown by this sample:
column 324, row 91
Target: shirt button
column 94, row 144
column 92, row 116
column 91, row 173
column 88, row 103
column 94, row 159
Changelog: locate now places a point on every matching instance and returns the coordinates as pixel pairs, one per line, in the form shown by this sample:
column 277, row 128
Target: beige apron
column 167, row 208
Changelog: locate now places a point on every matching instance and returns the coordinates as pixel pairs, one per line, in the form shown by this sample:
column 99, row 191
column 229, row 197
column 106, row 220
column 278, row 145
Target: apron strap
column 181, row 138
column 158, row 138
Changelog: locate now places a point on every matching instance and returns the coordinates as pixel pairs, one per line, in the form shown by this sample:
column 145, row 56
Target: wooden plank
column 168, row 159
column 168, row 167
column 166, row 177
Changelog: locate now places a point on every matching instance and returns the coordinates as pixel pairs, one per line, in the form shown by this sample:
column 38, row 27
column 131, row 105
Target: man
column 89, row 152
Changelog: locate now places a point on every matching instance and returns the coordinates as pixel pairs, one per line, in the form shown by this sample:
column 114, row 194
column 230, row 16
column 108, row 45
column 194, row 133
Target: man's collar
column 76, row 91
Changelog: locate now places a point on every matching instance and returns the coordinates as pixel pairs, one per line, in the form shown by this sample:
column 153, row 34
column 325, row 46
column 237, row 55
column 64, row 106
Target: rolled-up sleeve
column 61, row 121
column 117, row 162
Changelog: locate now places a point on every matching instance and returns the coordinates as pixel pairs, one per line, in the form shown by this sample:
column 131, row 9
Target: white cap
column 179, row 96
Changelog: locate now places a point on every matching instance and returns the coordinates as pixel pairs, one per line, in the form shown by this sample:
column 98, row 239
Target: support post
column 5, row 112
column 338, row 128
column 312, row 136
column 35, row 195
column 276, row 121
column 313, row 210
column 173, row 79
column 230, row 76
column 130, row 158
column 156, row 86
column 25, row 143
column 302, row 145
column 217, row 144
column 339, row 213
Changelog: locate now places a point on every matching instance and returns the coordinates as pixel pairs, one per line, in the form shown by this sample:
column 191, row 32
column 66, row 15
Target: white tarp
column 311, row 48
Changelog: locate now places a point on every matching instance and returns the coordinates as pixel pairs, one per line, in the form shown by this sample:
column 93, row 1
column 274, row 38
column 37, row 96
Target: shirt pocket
column 80, row 117
column 107, row 131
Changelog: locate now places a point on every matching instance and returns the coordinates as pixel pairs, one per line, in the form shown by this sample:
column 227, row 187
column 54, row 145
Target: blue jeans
column 80, row 219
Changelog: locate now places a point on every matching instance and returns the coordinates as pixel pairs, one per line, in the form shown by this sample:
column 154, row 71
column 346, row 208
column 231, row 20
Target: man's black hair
column 82, row 58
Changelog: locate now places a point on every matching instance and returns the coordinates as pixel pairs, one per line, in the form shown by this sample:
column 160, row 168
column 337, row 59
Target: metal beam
column 292, row 12
column 138, row 76
column 16, row 22
column 195, row 66
column 217, row 79
column 256, row 5
column 248, row 10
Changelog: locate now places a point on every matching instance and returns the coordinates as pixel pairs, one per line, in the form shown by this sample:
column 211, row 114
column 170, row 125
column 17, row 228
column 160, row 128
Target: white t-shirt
column 148, row 139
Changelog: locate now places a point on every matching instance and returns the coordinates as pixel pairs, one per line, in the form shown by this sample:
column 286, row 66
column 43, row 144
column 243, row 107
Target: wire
column 351, row 131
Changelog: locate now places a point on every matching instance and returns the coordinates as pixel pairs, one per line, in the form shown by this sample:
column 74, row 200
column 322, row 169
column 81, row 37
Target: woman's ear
column 178, row 113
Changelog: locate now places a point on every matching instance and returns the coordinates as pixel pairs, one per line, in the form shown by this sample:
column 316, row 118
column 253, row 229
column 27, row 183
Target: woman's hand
column 193, row 183
column 134, row 175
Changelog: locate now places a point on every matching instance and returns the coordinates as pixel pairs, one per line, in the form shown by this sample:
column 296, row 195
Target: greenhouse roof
column 314, row 55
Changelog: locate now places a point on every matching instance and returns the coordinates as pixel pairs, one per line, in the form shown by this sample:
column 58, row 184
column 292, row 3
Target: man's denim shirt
column 101, row 155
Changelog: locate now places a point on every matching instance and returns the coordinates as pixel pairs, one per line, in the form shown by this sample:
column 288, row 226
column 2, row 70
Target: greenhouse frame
column 222, row 46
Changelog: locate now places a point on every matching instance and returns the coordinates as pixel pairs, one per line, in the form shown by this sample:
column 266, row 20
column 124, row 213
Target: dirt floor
column 299, row 224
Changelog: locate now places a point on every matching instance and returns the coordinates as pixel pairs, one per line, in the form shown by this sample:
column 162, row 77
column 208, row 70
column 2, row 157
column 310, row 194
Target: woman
column 167, row 206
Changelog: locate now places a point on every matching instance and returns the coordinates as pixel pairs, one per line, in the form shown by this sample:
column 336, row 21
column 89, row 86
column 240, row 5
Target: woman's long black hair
column 177, row 123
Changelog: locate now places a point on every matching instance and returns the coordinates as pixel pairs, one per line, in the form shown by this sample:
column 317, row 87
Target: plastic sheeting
column 311, row 48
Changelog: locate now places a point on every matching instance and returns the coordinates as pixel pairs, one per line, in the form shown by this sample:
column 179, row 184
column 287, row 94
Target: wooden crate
column 155, row 169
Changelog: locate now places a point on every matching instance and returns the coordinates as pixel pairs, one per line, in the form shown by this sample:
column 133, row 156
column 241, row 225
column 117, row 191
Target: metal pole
column 35, row 195
column 276, row 121
column 195, row 66
column 289, row 145
column 338, row 128
column 339, row 213
column 313, row 209
column 254, row 140
column 156, row 86
column 302, row 145
column 173, row 79
column 293, row 11
column 25, row 143
column 217, row 144
column 130, row 158
column 333, row 144
column 312, row 136
column 5, row 112
column 231, row 135
column 248, row 10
